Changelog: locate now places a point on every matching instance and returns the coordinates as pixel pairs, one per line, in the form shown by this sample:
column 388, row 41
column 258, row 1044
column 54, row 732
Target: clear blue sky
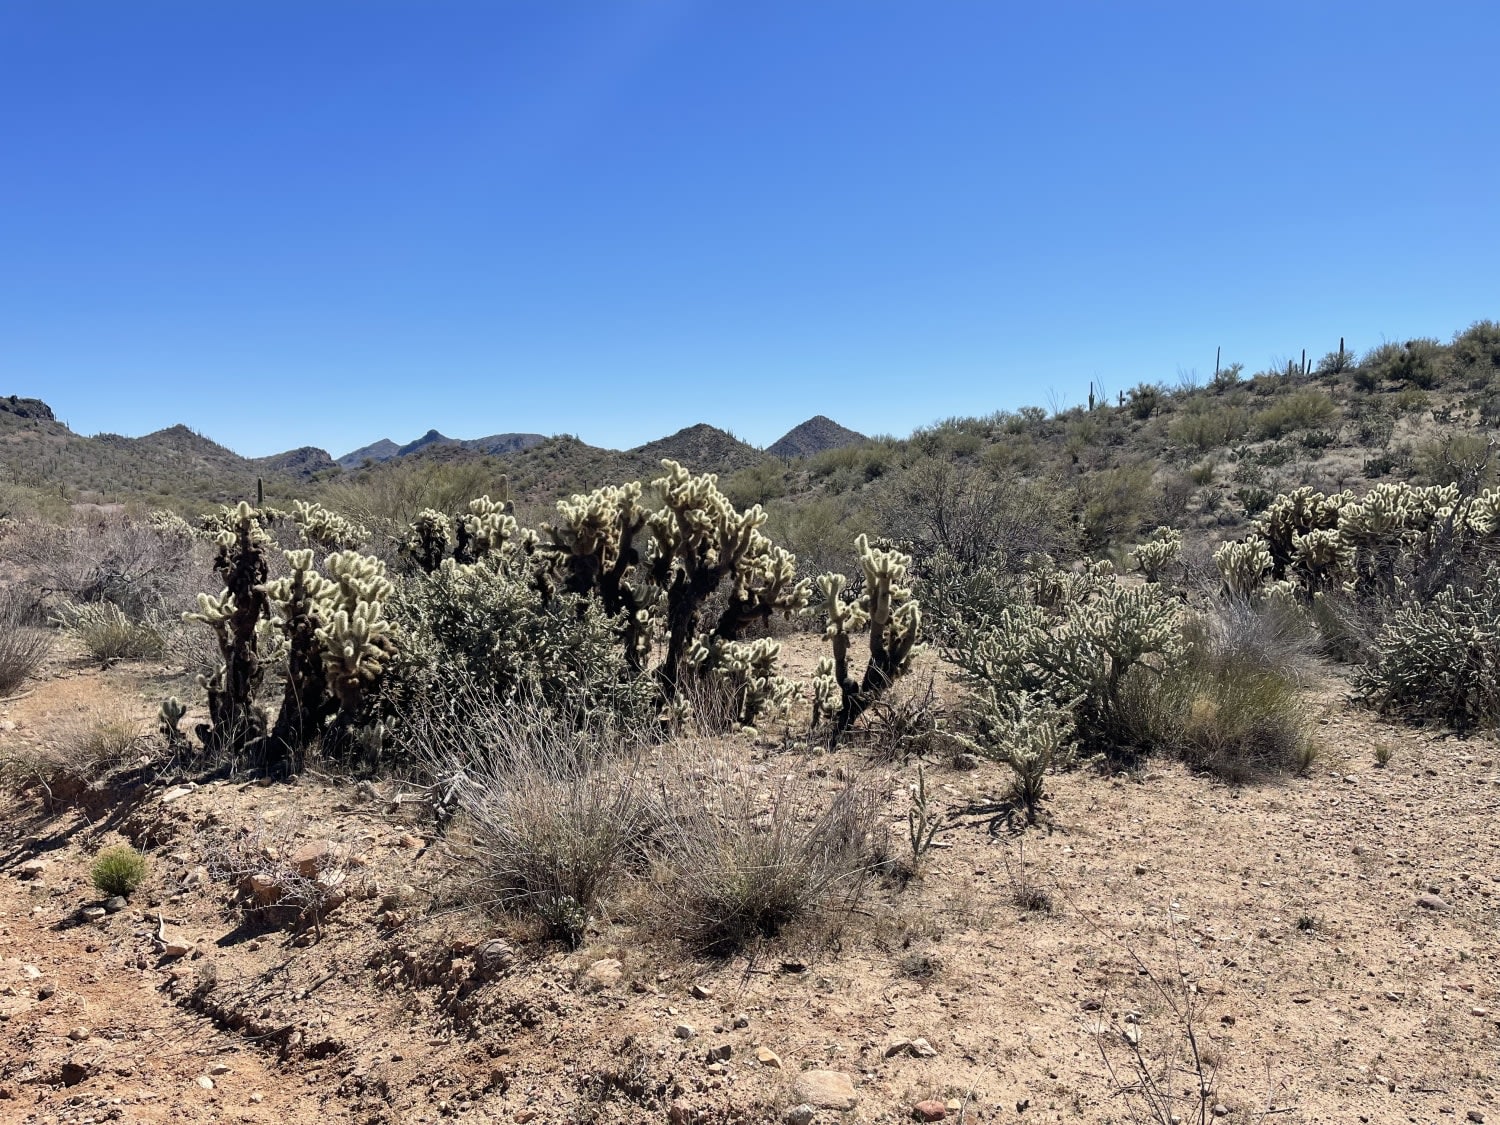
column 324, row 223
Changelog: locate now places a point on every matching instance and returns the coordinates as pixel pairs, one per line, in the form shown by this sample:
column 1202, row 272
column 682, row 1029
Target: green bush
column 118, row 870
column 1204, row 425
column 1116, row 503
column 1300, row 410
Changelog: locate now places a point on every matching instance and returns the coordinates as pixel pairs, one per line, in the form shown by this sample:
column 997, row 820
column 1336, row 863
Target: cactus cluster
column 894, row 620
column 1075, row 637
column 1154, row 556
column 328, row 530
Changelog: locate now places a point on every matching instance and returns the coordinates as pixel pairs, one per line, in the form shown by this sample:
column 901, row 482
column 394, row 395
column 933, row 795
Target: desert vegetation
column 727, row 721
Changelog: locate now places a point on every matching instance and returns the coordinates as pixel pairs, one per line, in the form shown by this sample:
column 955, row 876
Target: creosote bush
column 118, row 870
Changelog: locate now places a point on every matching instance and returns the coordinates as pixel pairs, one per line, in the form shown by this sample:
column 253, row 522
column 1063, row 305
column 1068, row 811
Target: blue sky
column 324, row 223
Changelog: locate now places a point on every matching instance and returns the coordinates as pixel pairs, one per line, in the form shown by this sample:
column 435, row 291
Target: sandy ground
column 1331, row 941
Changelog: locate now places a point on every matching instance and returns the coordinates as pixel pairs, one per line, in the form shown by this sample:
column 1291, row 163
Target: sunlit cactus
column 894, row 619
column 427, row 540
column 1157, row 553
column 326, row 529
column 1244, row 565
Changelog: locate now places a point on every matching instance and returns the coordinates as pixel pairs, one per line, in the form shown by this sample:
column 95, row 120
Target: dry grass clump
column 85, row 747
column 743, row 859
column 110, row 635
column 548, row 820
column 22, row 647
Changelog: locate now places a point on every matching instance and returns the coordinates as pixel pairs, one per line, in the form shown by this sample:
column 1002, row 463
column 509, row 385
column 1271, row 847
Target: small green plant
column 118, row 870
column 1382, row 754
column 923, row 822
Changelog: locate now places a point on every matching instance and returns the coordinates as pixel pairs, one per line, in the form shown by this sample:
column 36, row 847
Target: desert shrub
column 1116, row 503
column 389, row 496
column 1336, row 363
column 1464, row 459
column 738, row 864
column 1439, row 658
column 1417, row 363
column 1203, row 473
column 486, row 626
column 1299, row 410
column 1144, row 400
column 109, row 635
column 818, row 531
column 757, row 484
column 550, row 819
column 118, row 870
column 972, row 515
column 1232, row 707
column 1476, row 351
column 144, row 568
column 23, row 647
column 1205, row 425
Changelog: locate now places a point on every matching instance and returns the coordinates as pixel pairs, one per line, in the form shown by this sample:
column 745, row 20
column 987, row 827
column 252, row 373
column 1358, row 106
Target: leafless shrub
column 23, row 647
column 903, row 723
column 128, row 563
column 742, row 860
column 262, row 863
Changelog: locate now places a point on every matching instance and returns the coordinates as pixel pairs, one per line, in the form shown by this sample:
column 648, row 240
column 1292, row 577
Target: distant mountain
column 386, row 450
column 817, row 434
column 702, row 448
column 174, row 465
column 304, row 462
column 382, row 450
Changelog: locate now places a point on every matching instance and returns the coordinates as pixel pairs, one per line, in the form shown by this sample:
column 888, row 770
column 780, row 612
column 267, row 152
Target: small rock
column 78, row 1034
column 115, row 904
column 31, row 972
column 922, row 1049
column 206, row 1082
column 1139, row 869
column 702, row 992
column 410, row 841
column 74, row 1072
column 311, row 858
column 46, row 992
column 682, row 1113
column 176, row 793
column 684, row 1031
column 1475, row 1116
column 492, row 958
column 603, row 973
column 966, row 761
column 720, row 1053
column 1221, row 1110
column 1430, row 901
column 741, row 1020
column 31, row 869
column 1132, row 1034
column 176, row 949
column 930, row 1110
column 826, row 1089
column 897, row 1047
column 264, row 889
column 257, row 1097
column 800, row 1115
column 767, row 1057
column 218, row 1069
column 91, row 913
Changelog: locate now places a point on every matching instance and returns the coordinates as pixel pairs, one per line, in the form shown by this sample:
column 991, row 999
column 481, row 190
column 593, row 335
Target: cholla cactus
column 1323, row 557
column 1158, row 552
column 894, row 619
column 1292, row 514
column 234, row 720
column 170, row 526
column 1243, row 565
column 338, row 644
column 750, row 669
column 426, row 540
column 167, row 720
column 1028, row 731
column 593, row 544
column 490, row 529
column 326, row 529
column 699, row 540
